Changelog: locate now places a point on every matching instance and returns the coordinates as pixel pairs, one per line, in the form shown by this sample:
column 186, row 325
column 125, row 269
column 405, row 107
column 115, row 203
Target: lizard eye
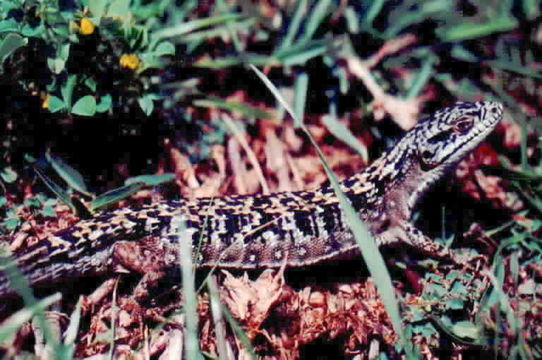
column 463, row 124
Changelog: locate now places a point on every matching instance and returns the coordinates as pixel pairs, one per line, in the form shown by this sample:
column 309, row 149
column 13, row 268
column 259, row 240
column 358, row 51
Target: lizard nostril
column 426, row 154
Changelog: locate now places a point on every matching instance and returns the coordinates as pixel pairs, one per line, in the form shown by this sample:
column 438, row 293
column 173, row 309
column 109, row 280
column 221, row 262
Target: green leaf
column 55, row 104
column 165, row 48
column 461, row 53
column 104, row 104
column 62, row 30
column 150, row 180
column 10, row 223
column 56, row 65
column 8, row 175
column 455, row 304
column 9, row 25
column 33, row 31
column 11, row 43
column 531, row 8
column 85, row 106
column 63, row 51
column 146, row 104
column 97, row 7
column 114, row 196
column 466, row 329
column 90, row 83
column 19, row 283
column 67, row 90
column 48, row 210
column 120, row 8
column 71, row 176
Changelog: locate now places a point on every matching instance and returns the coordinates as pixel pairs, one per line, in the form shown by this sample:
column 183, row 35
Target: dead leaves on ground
column 277, row 319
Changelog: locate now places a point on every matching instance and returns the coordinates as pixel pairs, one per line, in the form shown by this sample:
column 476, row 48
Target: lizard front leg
column 406, row 232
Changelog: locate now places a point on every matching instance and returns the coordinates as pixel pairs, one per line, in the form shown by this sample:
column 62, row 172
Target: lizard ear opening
column 426, row 155
column 427, row 160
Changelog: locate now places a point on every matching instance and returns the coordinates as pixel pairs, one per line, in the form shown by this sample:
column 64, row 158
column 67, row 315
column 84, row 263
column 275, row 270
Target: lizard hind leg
column 147, row 257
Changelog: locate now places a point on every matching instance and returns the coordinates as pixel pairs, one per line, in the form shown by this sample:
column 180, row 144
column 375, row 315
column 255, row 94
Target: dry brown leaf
column 182, row 167
column 250, row 301
column 391, row 47
column 276, row 160
column 403, row 111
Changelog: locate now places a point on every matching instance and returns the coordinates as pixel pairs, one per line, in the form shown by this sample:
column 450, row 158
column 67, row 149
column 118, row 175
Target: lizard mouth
column 470, row 140
column 474, row 138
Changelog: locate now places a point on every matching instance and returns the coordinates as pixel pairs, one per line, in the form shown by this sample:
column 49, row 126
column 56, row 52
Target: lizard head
column 448, row 135
column 443, row 139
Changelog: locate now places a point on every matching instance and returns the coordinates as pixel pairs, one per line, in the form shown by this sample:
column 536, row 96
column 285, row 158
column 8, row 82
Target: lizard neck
column 396, row 178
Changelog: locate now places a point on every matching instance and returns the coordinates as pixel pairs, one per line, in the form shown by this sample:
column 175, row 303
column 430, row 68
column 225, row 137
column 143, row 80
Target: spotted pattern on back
column 298, row 228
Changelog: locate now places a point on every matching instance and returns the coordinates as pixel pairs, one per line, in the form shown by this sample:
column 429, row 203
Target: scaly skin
column 245, row 232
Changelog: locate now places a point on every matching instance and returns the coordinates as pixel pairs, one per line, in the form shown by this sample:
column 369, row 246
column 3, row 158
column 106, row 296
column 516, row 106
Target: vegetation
column 123, row 88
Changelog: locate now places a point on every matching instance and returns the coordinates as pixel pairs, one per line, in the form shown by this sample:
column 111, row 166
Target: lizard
column 297, row 229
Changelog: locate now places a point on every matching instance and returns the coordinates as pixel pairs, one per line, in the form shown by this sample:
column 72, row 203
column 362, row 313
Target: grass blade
column 368, row 248
column 468, row 31
column 293, row 28
column 300, row 97
column 115, row 195
column 71, row 176
column 422, row 77
column 190, row 26
column 345, row 135
column 192, row 350
column 239, row 332
column 373, row 11
column 55, row 188
column 150, row 180
column 243, row 109
column 14, row 322
column 317, row 15
column 19, row 283
column 216, row 311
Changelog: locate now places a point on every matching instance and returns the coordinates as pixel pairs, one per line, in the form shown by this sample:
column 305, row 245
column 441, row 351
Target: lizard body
column 261, row 231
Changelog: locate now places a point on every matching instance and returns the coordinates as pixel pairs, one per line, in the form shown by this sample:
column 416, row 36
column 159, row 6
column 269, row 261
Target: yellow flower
column 87, row 26
column 130, row 61
column 45, row 103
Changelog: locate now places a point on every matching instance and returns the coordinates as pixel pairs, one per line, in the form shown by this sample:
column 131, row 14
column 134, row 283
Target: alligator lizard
column 295, row 228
